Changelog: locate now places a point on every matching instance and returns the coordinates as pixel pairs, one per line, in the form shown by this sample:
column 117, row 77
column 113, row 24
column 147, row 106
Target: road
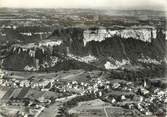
column 106, row 112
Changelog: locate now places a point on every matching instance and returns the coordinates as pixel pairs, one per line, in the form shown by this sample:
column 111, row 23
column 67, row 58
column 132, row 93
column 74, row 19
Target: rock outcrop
column 92, row 46
column 145, row 34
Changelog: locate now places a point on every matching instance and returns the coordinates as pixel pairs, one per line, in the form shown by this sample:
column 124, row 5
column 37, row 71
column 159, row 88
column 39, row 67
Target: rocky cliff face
column 93, row 47
column 145, row 34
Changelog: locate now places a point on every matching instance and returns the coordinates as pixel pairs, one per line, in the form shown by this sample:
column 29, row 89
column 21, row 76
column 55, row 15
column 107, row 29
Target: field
column 71, row 75
column 2, row 92
column 98, row 108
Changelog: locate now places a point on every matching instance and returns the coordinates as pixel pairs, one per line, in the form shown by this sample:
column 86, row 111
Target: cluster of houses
column 149, row 61
column 120, row 93
column 117, row 92
column 14, row 27
column 43, row 85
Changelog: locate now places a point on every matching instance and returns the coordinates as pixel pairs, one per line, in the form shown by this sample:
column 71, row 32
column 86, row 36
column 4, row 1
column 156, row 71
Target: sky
column 113, row 4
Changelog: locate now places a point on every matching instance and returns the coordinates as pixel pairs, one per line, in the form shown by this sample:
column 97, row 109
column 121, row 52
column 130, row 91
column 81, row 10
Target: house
column 1, row 74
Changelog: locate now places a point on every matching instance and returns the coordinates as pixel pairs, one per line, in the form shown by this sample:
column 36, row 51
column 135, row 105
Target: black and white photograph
column 83, row 58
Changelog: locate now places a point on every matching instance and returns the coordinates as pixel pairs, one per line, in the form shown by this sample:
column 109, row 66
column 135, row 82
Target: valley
column 82, row 63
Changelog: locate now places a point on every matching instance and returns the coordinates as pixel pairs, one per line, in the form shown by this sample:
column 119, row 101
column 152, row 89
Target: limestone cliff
column 93, row 47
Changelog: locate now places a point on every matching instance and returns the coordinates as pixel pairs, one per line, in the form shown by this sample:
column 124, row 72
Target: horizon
column 101, row 9
column 86, row 4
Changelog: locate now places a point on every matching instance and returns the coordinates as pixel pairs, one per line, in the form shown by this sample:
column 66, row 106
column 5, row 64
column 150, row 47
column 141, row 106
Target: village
column 39, row 94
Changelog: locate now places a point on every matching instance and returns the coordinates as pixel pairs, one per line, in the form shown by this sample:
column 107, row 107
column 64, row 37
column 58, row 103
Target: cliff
column 93, row 47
